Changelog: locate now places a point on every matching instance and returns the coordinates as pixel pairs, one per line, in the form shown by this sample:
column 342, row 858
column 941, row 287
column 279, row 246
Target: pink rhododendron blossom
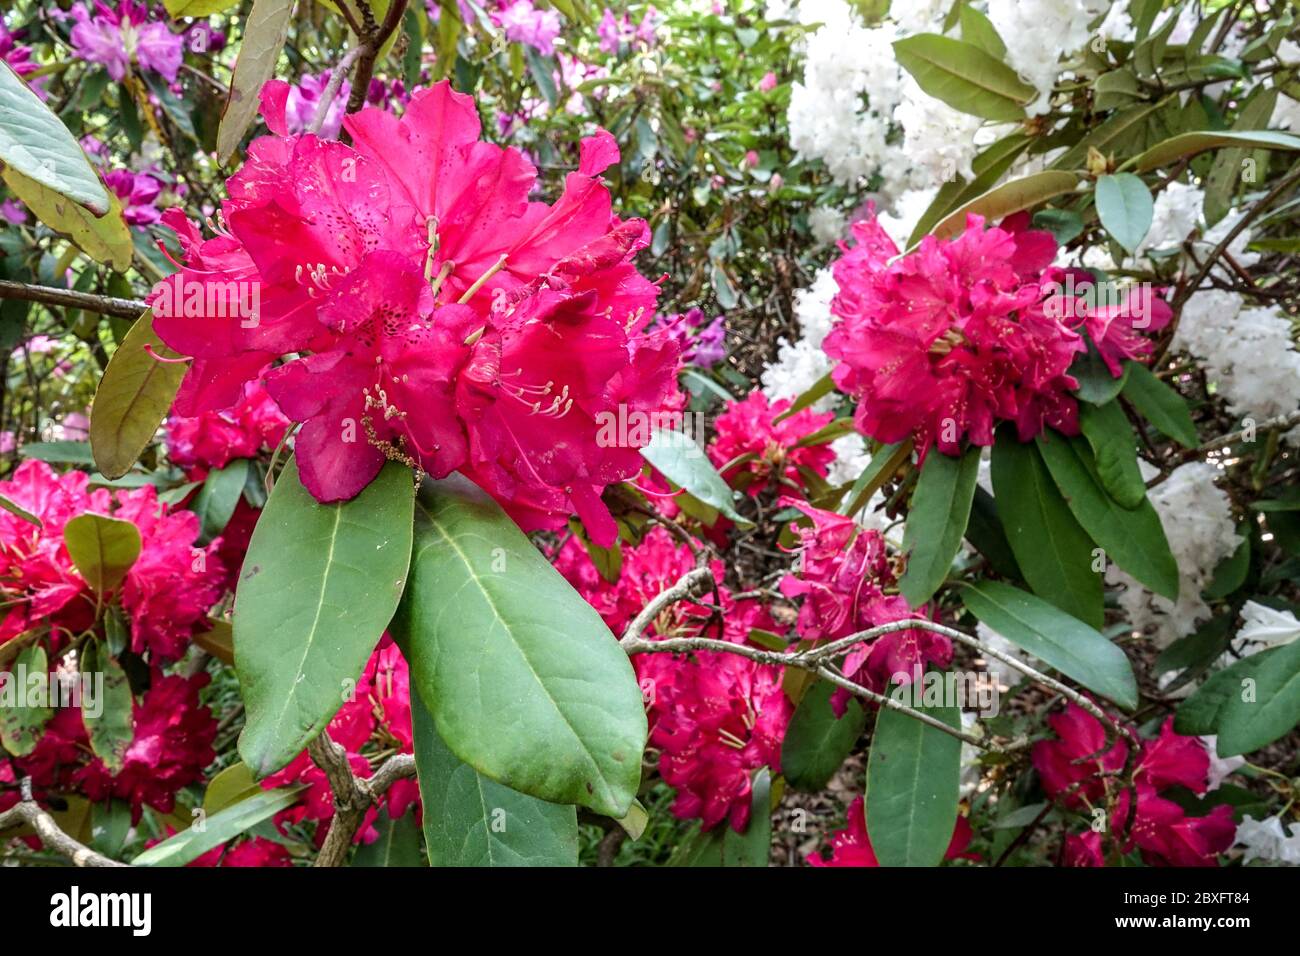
column 304, row 100
column 768, row 82
column 1079, row 771
column 753, row 451
column 118, row 38
column 166, row 593
column 18, row 56
column 139, row 194
column 376, row 717
column 438, row 316
column 943, row 343
column 212, row 439
column 171, row 744
column 524, row 23
column 842, row 577
column 254, row 852
column 852, row 847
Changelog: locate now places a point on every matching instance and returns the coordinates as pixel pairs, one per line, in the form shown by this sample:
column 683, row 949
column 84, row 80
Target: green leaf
column 471, row 820
column 1232, row 570
column 1115, row 450
column 809, row 397
column 976, row 28
column 1001, row 201
column 1189, row 144
column 398, row 843
column 1254, row 717
column 189, row 845
column 1096, row 385
column 216, row 500
column 817, row 742
column 986, row 534
column 1055, row 638
column 1159, row 404
column 1191, row 656
column 103, row 549
column 1200, row 714
column 936, row 522
column 104, row 238
column 964, row 76
column 107, row 711
column 24, row 701
column 16, row 509
column 880, row 469
column 521, row 675
column 1226, row 174
column 59, row 452
column 1132, row 538
column 35, row 143
column 265, row 30
column 685, row 464
column 988, row 167
column 752, row 847
column 319, row 585
column 1125, row 207
column 1053, row 553
column 912, row 786
column 133, row 398
column 196, row 8
column 227, row 788
column 1063, row 224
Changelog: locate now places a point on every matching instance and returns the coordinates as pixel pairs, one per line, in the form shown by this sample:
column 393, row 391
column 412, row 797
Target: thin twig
column 69, row 298
column 30, row 812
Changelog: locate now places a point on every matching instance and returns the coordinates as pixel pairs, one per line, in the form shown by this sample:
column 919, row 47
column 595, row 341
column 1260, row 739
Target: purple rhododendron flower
column 117, row 38
column 524, row 23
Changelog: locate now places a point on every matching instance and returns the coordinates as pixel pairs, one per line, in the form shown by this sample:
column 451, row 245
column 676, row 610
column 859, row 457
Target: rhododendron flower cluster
column 165, row 595
column 942, row 344
column 212, row 439
column 171, row 744
column 754, row 451
column 852, row 847
column 843, row 575
column 436, row 315
column 125, row 36
column 1079, row 771
column 715, row 718
column 377, row 716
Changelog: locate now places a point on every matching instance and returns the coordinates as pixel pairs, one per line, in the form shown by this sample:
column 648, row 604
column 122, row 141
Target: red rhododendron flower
column 257, row 851
column 763, row 451
column 852, row 847
column 842, row 577
column 1157, row 827
column 166, row 593
column 436, row 315
column 171, row 744
column 943, row 343
column 211, row 440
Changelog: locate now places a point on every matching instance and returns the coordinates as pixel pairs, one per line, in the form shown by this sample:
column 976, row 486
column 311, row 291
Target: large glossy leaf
column 912, row 778
column 964, row 76
column 1053, row 552
column 217, row 498
column 197, row 8
column 752, row 847
column 1159, row 404
column 133, row 398
column 471, row 820
column 35, row 142
column 319, row 585
column 103, row 549
column 107, row 711
column 1189, row 144
column 190, row 844
column 104, row 238
column 1226, row 173
column 1125, row 207
column 1001, row 201
column 1132, row 538
column 937, row 520
column 265, row 31
column 1096, row 385
column 816, row 741
column 23, row 715
column 685, row 464
column 1254, row 717
column 521, row 675
column 1202, row 713
column 16, row 509
column 1054, row 637
column 1115, row 451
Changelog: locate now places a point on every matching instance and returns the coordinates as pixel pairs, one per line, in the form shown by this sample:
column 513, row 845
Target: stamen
column 469, row 293
column 183, row 360
column 441, row 277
